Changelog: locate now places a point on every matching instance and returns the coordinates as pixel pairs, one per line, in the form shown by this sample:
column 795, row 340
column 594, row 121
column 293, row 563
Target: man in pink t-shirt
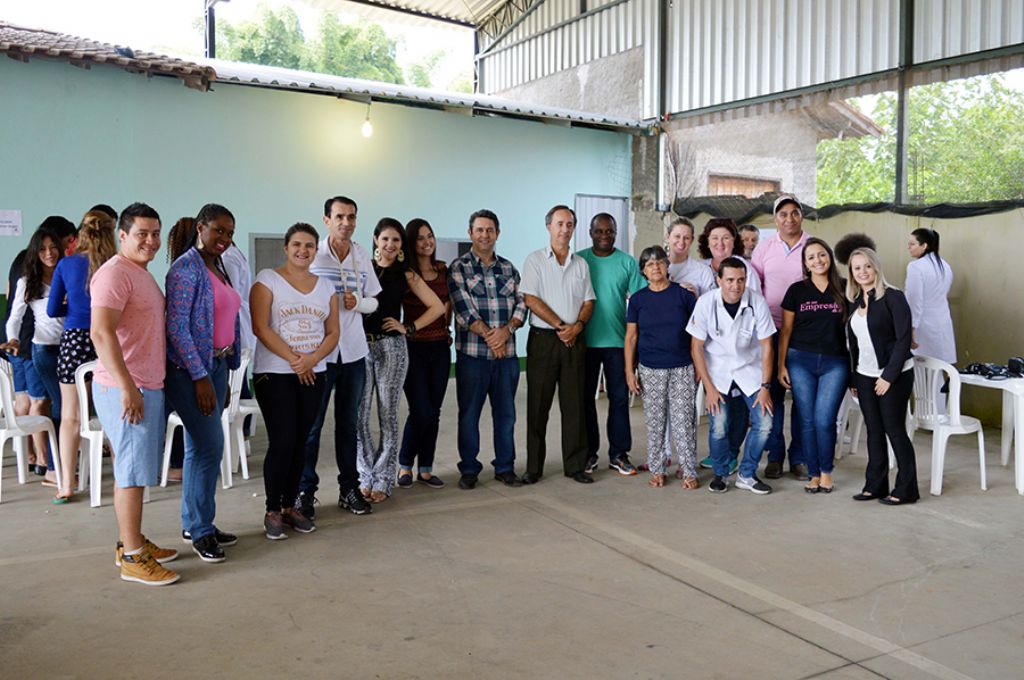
column 127, row 328
column 778, row 261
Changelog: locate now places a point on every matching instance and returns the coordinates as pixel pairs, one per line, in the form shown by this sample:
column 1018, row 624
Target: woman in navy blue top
column 655, row 328
column 69, row 298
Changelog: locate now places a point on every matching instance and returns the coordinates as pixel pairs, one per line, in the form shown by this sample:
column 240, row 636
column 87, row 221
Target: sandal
column 864, row 496
column 656, row 481
column 63, row 500
column 811, row 488
column 691, row 483
column 378, row 496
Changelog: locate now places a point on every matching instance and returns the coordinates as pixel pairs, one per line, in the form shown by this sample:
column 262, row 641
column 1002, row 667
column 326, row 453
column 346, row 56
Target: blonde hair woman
column 879, row 334
column 70, row 299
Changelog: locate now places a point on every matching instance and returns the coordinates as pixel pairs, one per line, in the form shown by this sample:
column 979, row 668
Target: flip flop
column 62, row 500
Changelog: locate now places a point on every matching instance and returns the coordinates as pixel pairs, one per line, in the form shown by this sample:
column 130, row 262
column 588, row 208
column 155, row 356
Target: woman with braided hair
column 202, row 346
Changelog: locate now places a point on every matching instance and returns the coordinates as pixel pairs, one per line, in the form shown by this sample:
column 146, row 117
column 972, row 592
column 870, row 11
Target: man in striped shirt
column 488, row 308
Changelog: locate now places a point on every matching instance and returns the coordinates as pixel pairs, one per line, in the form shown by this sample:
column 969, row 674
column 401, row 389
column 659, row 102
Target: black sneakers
column 208, row 549
column 354, row 502
column 753, row 484
column 591, row 465
column 304, row 503
column 718, row 485
column 224, row 539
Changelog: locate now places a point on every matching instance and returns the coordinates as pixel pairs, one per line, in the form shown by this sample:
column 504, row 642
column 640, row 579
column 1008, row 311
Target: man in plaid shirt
column 489, row 308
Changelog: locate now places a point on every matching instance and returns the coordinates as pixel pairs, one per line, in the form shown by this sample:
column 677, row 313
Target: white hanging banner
column 10, row 223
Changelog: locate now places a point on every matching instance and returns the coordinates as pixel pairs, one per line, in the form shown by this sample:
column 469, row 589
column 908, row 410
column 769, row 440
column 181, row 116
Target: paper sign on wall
column 10, row 223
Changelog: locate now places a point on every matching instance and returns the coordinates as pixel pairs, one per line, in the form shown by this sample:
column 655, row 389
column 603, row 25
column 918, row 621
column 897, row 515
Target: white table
column 1013, row 420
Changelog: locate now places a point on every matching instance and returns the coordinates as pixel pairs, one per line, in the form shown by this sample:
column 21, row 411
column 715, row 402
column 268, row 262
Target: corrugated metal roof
column 467, row 11
column 365, row 90
column 24, row 43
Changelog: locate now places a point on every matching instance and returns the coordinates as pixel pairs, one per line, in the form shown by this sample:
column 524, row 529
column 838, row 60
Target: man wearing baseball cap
column 778, row 261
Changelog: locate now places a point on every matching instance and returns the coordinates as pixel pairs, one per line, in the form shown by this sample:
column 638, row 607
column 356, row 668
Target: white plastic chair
column 232, row 419
column 233, row 422
column 173, row 423
column 19, row 428
column 929, row 375
column 91, row 433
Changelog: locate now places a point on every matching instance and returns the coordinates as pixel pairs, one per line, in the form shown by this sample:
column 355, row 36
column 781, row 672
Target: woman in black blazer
column 879, row 333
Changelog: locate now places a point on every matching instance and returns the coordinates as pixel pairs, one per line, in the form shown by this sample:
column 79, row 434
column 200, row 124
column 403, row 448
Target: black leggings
column 289, row 409
column 886, row 417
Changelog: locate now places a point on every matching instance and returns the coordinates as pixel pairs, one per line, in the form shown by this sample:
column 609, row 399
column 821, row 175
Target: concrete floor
column 610, row 580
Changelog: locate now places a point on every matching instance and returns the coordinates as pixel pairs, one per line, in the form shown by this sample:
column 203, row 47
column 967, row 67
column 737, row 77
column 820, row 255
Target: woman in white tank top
column 295, row 320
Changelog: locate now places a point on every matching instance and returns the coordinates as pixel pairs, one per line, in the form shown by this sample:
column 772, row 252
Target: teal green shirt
column 614, row 278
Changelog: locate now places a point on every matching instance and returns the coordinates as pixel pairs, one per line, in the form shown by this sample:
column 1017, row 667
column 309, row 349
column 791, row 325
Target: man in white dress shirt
column 556, row 286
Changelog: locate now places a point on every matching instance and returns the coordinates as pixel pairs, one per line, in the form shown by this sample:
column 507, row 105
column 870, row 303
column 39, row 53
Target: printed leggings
column 670, row 407
column 386, row 366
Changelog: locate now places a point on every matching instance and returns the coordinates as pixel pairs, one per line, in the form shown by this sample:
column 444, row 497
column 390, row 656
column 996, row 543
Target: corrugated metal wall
column 950, row 28
column 724, row 51
column 543, row 43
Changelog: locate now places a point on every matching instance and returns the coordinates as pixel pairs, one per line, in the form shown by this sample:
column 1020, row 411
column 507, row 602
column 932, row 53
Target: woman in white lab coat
column 929, row 279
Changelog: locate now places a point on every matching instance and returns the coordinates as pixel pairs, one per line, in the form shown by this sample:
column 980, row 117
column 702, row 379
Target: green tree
column 275, row 38
column 965, row 143
column 421, row 74
column 355, row 51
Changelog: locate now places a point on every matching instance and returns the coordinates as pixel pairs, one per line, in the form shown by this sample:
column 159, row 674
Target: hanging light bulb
column 367, row 128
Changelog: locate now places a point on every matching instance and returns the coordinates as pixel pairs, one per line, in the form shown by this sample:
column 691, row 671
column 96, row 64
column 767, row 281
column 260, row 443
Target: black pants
column 289, row 409
column 886, row 418
column 549, row 363
column 426, row 383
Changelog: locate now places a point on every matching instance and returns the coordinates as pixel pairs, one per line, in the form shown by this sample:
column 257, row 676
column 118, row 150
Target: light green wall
column 70, row 138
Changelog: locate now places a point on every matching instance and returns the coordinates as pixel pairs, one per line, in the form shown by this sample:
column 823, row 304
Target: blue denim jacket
column 190, row 317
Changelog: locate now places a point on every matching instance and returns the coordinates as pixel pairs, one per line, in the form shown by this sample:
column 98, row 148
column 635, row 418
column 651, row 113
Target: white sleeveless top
column 297, row 317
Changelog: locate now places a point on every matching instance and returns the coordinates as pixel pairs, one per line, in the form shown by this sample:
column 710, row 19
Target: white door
column 588, row 205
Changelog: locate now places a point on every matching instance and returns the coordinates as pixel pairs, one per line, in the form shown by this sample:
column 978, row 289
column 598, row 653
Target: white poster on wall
column 10, row 223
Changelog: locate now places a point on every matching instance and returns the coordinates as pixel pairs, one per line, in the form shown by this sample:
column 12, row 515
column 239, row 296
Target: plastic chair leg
column 52, row 435
column 939, row 439
column 168, row 445
column 20, row 445
column 225, row 463
column 240, row 444
column 981, row 459
column 95, row 472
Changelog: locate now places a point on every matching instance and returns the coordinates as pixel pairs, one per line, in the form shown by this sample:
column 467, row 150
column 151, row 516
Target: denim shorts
column 26, row 378
column 137, row 447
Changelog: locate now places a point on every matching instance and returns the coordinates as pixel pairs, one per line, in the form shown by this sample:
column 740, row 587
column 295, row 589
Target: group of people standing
column 366, row 327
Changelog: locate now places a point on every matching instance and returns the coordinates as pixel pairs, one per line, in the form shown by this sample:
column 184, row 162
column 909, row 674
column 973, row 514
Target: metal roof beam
column 506, row 17
column 381, row 4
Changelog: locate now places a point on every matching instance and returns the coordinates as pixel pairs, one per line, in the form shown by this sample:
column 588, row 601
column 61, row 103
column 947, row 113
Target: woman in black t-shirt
column 813, row 359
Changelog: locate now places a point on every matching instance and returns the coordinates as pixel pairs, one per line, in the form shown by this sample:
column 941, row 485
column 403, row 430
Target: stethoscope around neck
column 739, row 319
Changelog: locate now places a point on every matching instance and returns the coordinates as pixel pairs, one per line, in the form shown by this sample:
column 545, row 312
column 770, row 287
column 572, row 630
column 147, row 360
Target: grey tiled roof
column 25, row 43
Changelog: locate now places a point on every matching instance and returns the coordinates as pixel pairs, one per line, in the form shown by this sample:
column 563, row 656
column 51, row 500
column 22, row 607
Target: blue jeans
column 718, row 438
column 426, row 383
column 349, row 379
column 620, row 438
column 776, row 444
column 44, row 359
column 476, row 380
column 819, row 384
column 204, row 446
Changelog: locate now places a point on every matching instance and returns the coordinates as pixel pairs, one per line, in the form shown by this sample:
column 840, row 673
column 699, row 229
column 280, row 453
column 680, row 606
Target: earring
column 199, row 243
column 401, row 256
column 376, row 253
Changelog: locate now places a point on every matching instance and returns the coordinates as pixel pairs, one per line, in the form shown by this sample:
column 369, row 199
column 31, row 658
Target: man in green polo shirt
column 615, row 276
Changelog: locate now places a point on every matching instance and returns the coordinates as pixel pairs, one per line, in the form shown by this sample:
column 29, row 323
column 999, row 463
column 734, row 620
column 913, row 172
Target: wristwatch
column 766, row 385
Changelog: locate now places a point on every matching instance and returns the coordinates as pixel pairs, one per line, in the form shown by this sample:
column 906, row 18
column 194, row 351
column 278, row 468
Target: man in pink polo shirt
column 778, row 261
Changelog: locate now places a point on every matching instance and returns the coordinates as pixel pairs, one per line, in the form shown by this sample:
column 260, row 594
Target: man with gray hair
column 557, row 289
